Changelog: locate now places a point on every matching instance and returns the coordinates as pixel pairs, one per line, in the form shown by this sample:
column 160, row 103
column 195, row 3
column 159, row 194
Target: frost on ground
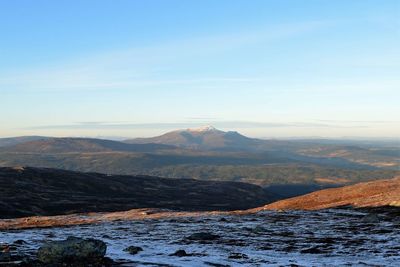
column 318, row 238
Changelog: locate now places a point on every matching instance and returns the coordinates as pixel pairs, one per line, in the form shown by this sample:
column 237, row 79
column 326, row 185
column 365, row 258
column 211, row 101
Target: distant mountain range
column 210, row 154
column 87, row 145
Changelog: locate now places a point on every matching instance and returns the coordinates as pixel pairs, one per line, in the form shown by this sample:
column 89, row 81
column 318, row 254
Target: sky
column 315, row 68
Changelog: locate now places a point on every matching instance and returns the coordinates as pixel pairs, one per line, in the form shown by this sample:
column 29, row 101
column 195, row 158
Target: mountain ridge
column 10, row 141
column 77, row 144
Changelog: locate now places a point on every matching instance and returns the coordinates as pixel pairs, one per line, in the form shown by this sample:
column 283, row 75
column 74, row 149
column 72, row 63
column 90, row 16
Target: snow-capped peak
column 207, row 128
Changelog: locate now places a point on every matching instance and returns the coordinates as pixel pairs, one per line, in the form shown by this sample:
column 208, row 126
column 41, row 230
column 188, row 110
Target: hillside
column 205, row 138
column 369, row 194
column 11, row 141
column 68, row 145
column 38, row 191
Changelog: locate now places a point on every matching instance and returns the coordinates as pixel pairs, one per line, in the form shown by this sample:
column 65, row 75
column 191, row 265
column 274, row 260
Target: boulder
column 72, row 250
column 203, row 236
column 133, row 250
column 180, row 253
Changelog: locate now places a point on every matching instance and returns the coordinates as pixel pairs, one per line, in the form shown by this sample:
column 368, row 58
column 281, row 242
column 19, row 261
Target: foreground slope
column 369, row 194
column 38, row 191
column 382, row 197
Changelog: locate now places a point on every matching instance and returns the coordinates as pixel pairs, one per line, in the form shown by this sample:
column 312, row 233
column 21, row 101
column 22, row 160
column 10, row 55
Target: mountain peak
column 207, row 128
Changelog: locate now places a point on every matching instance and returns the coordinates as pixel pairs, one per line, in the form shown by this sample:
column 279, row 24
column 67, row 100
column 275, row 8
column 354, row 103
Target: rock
column 326, row 240
column 133, row 250
column 223, row 219
column 371, row 218
column 238, row 256
column 19, row 242
column 313, row 250
column 5, row 256
column 72, row 250
column 180, row 253
column 216, row 264
column 5, row 248
column 50, row 235
column 259, row 229
column 203, row 236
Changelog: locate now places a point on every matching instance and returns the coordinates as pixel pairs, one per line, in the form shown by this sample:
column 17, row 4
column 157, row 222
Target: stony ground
column 268, row 238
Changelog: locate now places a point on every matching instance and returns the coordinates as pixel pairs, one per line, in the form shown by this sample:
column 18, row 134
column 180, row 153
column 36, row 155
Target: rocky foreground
column 365, row 235
column 338, row 237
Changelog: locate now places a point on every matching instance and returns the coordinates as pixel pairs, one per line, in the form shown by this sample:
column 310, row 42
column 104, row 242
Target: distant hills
column 86, row 145
column 4, row 142
column 205, row 138
column 42, row 191
column 211, row 154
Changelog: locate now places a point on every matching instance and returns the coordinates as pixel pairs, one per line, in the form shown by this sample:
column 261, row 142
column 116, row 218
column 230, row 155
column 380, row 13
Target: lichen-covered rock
column 72, row 250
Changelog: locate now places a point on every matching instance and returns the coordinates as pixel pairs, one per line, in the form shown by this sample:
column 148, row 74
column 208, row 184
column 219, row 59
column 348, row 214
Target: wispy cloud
column 184, row 125
column 140, row 67
column 359, row 121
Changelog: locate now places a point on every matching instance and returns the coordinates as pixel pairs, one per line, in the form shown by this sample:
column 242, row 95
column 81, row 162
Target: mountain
column 11, row 141
column 370, row 194
column 84, row 145
column 205, row 138
column 38, row 191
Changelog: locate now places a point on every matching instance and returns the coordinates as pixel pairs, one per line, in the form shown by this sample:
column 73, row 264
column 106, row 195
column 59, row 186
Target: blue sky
column 139, row 68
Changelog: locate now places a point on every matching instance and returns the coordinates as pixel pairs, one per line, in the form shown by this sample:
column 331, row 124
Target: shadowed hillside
column 34, row 191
